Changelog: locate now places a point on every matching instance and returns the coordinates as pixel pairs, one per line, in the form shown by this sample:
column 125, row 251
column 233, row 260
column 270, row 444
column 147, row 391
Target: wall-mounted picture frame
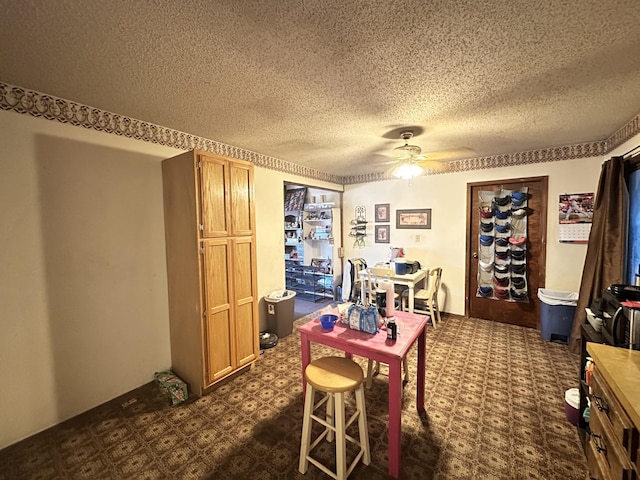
column 414, row 218
column 383, row 212
column 382, row 234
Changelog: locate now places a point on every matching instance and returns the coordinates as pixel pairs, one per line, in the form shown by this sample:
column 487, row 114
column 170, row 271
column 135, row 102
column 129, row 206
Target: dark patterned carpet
column 494, row 403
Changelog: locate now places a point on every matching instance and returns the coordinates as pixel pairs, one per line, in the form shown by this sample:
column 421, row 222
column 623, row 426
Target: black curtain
column 604, row 263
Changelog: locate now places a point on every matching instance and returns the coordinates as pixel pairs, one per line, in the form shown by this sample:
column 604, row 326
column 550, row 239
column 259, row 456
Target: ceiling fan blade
column 429, row 164
column 378, row 159
column 449, row 154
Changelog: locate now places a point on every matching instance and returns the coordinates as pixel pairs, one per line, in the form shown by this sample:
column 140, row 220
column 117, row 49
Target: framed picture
column 413, row 218
column 383, row 212
column 382, row 233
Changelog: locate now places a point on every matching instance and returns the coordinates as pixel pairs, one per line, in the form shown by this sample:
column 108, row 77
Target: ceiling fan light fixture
column 407, row 170
column 406, row 151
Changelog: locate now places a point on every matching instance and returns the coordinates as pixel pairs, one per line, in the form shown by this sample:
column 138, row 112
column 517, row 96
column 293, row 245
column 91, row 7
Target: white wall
column 83, row 294
column 83, row 286
column 270, row 228
column 444, row 244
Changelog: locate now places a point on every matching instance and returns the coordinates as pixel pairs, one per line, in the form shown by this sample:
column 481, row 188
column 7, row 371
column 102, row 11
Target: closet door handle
column 475, row 254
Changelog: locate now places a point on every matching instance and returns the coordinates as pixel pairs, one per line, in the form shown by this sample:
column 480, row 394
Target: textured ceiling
column 330, row 84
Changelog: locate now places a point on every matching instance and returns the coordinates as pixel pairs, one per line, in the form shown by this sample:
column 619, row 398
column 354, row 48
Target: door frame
column 544, row 181
column 337, row 228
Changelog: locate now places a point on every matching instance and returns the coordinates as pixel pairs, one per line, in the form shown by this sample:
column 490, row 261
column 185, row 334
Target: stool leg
column 305, row 441
column 330, row 416
column 341, row 441
column 363, row 430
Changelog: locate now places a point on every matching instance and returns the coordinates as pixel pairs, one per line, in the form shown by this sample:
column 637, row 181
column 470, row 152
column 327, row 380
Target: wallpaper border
column 25, row 101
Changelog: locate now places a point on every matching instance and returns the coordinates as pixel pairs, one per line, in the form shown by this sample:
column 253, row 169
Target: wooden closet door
column 241, row 198
column 245, row 289
column 525, row 314
column 214, row 191
column 218, row 291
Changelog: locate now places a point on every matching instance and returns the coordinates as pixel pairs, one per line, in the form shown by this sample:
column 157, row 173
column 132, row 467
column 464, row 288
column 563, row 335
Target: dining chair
column 374, row 276
column 425, row 300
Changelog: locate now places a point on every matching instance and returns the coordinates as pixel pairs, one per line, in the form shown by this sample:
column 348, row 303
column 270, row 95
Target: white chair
column 374, row 276
column 334, row 376
column 426, row 300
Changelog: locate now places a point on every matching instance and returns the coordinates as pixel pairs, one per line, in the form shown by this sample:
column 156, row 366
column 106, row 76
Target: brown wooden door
column 245, row 324
column 218, row 292
column 215, row 207
column 517, row 313
column 241, row 198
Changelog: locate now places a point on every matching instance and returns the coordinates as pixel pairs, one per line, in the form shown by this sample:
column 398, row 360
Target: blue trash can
column 556, row 314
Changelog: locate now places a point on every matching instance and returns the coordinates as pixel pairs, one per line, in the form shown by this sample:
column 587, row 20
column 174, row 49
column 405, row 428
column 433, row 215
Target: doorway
column 518, row 307
column 312, row 241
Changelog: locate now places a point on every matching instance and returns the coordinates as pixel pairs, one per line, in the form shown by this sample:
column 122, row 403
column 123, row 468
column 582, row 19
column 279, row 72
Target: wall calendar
column 575, row 212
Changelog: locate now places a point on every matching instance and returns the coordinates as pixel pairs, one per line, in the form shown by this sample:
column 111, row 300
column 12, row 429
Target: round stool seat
column 334, row 374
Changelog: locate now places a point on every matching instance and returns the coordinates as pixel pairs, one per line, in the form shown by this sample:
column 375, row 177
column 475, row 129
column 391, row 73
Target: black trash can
column 280, row 311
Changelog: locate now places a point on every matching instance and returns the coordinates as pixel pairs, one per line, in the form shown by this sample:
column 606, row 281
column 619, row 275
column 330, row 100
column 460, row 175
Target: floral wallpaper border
column 22, row 100
column 37, row 104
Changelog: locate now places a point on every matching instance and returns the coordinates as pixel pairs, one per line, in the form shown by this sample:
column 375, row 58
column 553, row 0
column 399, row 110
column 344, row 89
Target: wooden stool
column 334, row 376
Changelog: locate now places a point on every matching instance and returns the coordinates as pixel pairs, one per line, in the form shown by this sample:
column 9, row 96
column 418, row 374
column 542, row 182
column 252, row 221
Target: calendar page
column 574, row 213
column 574, row 232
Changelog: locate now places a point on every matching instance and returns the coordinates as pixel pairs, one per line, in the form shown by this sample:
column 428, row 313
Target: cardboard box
column 175, row 388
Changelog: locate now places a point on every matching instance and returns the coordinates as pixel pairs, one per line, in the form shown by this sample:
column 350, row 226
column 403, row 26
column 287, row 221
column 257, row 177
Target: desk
column 411, row 327
column 409, row 280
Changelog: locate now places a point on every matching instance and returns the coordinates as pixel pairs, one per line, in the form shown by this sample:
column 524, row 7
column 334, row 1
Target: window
column 633, row 245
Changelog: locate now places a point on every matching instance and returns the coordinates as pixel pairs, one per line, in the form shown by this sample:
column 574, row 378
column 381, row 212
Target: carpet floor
column 303, row 307
column 494, row 410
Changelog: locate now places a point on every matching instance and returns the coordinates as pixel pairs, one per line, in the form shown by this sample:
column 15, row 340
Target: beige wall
column 444, row 244
column 83, row 292
column 83, row 301
column 83, row 296
column 270, row 228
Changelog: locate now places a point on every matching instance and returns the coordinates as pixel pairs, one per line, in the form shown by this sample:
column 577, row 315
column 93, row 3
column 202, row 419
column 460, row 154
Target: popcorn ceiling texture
column 325, row 87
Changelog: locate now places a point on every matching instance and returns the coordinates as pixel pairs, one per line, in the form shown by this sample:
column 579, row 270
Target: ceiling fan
column 409, row 157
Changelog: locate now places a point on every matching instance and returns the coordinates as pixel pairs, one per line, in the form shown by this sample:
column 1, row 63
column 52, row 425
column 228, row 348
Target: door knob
column 475, row 254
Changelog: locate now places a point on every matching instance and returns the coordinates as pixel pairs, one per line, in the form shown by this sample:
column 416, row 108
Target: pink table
column 411, row 327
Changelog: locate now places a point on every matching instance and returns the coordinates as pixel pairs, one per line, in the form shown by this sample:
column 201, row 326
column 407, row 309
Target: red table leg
column 305, row 347
column 395, row 413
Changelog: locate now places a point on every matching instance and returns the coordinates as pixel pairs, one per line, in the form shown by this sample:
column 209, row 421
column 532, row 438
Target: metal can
column 392, row 329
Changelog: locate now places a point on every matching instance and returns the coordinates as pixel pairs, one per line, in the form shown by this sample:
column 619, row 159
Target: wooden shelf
column 588, row 335
column 304, row 280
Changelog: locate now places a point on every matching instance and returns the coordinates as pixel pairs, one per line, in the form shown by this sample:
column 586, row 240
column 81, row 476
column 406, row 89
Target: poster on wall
column 575, row 212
